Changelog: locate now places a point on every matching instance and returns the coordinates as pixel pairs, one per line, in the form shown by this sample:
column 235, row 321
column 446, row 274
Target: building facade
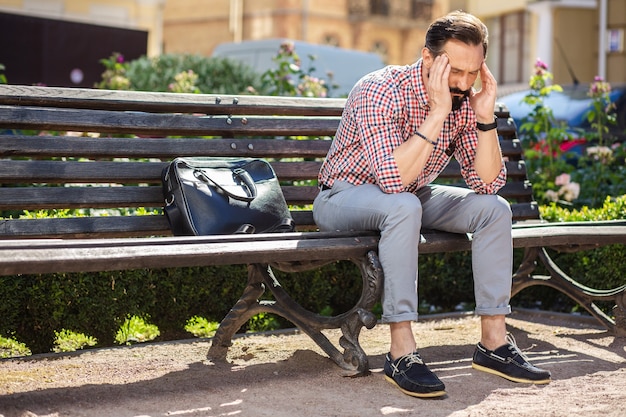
column 146, row 15
column 579, row 39
column 394, row 29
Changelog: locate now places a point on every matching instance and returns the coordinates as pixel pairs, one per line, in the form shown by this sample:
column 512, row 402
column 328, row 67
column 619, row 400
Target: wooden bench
column 140, row 132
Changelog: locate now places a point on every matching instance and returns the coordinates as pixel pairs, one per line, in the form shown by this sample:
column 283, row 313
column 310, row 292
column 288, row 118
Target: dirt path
column 287, row 375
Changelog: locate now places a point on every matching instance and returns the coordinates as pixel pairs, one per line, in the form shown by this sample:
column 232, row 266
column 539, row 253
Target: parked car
column 571, row 106
column 346, row 65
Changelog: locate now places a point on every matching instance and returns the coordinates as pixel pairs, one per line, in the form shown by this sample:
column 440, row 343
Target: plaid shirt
column 383, row 110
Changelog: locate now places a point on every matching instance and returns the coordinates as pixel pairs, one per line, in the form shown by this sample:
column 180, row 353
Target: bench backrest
column 52, row 159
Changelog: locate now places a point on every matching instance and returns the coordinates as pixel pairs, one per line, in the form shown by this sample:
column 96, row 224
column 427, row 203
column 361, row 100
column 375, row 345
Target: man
column 399, row 128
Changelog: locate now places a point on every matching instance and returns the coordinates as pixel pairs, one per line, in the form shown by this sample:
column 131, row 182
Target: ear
column 427, row 58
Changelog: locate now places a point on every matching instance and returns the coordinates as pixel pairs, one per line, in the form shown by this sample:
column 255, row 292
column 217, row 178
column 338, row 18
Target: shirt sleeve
column 376, row 116
column 466, row 155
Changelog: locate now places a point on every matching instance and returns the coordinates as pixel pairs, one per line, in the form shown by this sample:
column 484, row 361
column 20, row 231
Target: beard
column 457, row 101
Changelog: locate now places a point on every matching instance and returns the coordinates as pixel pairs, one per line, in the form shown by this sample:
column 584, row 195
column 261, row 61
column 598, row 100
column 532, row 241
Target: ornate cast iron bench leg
column 583, row 295
column 261, row 278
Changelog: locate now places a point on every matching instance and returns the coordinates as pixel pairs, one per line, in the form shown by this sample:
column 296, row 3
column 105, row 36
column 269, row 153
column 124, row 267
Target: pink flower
column 562, row 179
column 540, row 64
column 552, row 195
column 540, row 67
column 599, row 87
column 570, row 192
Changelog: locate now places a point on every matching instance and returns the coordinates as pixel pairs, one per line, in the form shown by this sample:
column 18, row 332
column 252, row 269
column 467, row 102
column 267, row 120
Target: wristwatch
column 486, row 127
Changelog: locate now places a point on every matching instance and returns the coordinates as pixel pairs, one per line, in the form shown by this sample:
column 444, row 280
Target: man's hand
column 438, row 89
column 484, row 101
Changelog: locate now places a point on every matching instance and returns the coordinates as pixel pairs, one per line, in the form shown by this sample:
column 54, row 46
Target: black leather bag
column 211, row 196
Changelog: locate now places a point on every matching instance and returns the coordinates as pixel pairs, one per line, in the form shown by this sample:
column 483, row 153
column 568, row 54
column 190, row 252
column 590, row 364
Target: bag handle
column 243, row 175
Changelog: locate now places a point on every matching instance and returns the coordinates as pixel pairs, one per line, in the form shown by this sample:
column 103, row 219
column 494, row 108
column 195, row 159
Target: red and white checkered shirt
column 383, row 110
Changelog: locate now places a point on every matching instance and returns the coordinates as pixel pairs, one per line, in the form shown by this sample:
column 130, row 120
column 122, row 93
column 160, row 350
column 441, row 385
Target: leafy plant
column 598, row 173
column 185, row 82
column 3, row 78
column 543, row 132
column 262, row 322
column 179, row 73
column 10, row 348
column 136, row 330
column 290, row 79
column 201, row 327
column 612, row 209
column 114, row 77
column 70, row 341
column 602, row 112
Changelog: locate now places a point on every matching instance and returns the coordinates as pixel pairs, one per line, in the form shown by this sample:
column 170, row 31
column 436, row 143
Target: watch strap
column 485, row 127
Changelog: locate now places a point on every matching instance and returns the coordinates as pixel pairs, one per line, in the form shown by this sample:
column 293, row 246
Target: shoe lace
column 412, row 358
column 510, row 339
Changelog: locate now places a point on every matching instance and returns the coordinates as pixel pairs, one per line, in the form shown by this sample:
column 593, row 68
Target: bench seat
column 99, row 154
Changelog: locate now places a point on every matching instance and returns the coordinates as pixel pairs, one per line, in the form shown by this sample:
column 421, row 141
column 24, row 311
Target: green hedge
column 33, row 307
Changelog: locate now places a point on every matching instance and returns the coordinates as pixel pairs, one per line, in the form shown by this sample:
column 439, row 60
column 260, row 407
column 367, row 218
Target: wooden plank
column 61, row 172
column 570, row 235
column 515, row 170
column 300, row 194
column 85, row 227
column 511, row 149
column 106, row 226
column 55, row 172
column 514, row 191
column 83, row 255
column 104, row 121
column 166, row 148
column 81, row 98
column 36, row 198
column 525, row 211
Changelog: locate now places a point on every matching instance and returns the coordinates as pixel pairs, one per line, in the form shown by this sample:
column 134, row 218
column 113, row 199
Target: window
column 330, row 39
column 421, row 9
column 379, row 7
column 380, row 47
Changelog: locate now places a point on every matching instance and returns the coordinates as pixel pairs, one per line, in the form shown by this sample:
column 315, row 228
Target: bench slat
column 107, row 226
column 81, row 255
column 103, row 121
column 139, row 226
column 60, row 172
column 86, row 227
column 33, row 198
column 80, row 98
column 88, row 147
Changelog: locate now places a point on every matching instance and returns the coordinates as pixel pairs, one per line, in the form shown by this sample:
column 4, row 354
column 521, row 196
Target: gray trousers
column 399, row 219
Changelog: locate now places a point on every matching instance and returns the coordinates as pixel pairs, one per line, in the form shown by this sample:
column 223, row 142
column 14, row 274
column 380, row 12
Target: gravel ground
column 288, row 375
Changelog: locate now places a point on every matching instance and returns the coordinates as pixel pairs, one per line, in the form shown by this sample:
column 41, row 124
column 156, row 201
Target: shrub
column 201, row 327
column 69, row 341
column 3, row 78
column 601, row 268
column 10, row 348
column 136, row 330
column 195, row 73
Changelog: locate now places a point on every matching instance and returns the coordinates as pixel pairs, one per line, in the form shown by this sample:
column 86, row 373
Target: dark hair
column 457, row 25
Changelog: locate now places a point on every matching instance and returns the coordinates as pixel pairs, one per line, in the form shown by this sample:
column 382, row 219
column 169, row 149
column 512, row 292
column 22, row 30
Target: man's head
column 464, row 39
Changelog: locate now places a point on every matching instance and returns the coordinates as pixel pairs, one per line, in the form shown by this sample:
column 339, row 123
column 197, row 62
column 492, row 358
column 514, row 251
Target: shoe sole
column 510, row 378
column 415, row 394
